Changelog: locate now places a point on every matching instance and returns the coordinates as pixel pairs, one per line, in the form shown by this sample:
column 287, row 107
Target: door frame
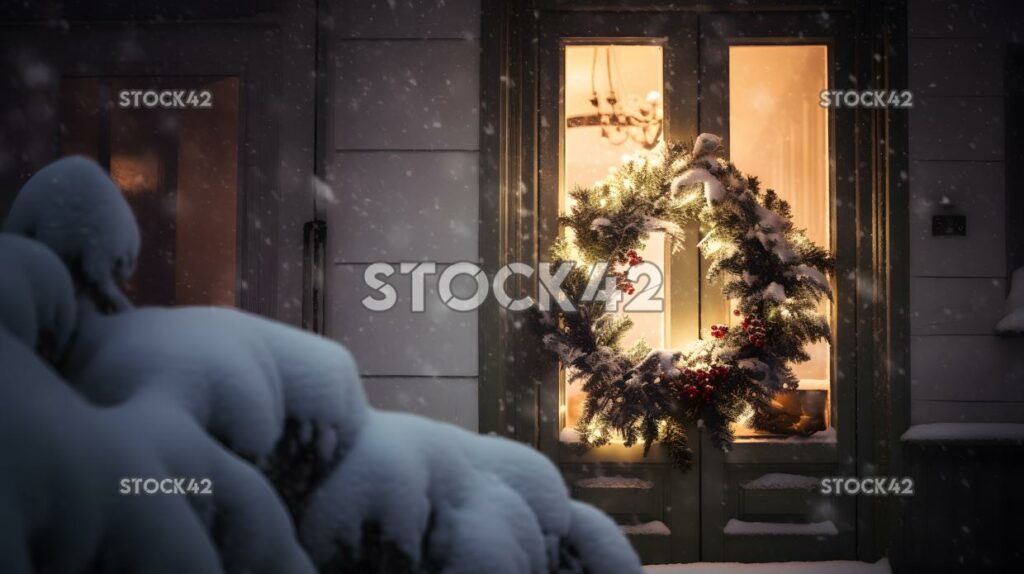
column 512, row 364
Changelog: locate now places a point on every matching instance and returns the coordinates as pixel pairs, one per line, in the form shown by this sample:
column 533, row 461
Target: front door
column 611, row 84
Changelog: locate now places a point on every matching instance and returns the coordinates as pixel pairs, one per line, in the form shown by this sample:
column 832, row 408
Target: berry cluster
column 719, row 331
column 701, row 383
column 754, row 329
column 633, row 258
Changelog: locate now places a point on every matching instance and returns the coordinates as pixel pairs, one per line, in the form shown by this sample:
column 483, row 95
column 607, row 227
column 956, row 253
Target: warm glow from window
column 778, row 132
column 634, row 74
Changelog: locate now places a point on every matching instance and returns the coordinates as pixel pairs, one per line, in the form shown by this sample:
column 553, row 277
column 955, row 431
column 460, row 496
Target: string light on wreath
column 773, row 273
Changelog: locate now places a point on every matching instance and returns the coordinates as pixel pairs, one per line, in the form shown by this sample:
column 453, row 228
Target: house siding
column 960, row 371
column 401, row 155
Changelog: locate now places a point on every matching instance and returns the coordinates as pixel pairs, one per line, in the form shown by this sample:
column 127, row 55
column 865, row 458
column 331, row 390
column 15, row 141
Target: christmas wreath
column 773, row 273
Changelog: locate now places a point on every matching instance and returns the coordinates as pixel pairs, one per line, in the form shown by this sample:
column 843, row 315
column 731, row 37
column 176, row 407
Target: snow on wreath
column 774, row 274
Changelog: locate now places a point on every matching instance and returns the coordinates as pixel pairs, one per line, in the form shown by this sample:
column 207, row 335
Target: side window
column 780, row 133
column 178, row 169
column 612, row 107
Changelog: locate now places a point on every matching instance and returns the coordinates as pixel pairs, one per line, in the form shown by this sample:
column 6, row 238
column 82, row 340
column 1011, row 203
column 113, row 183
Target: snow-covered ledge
column 971, row 433
column 1013, row 322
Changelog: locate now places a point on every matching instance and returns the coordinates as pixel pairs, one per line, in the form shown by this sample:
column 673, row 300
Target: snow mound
column 965, row 432
column 595, row 544
column 617, row 481
column 64, row 509
column 243, row 378
column 476, row 500
column 74, row 207
column 37, row 300
column 783, row 481
column 1013, row 322
column 714, row 191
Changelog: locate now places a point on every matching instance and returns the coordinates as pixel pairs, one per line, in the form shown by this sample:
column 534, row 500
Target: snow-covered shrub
column 74, row 207
column 61, row 504
column 288, row 401
column 276, row 418
column 37, row 301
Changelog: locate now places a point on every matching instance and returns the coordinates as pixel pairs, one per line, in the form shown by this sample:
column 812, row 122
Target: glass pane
column 778, row 132
column 178, row 169
column 603, row 83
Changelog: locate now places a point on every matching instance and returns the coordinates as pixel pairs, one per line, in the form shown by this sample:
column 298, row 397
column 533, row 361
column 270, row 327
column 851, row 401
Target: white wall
column 402, row 156
column 960, row 371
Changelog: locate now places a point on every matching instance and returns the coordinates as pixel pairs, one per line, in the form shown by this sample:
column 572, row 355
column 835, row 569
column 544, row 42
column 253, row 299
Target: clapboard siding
column 960, row 371
column 450, row 399
column 401, row 157
column 383, row 19
column 924, row 412
column 951, row 306
column 404, row 206
column 422, row 94
column 957, row 128
column 967, row 368
column 956, row 66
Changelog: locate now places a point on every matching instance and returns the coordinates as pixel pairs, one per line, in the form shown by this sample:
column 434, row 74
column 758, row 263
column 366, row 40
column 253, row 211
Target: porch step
column 743, row 528
column 747, row 541
column 792, row 496
column 651, row 540
column 638, row 491
column 618, row 482
column 784, row 481
column 652, row 528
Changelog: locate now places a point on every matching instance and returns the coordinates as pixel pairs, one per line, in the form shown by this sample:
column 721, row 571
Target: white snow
column 1013, row 322
column 597, row 543
column 824, row 567
column 37, row 299
column 811, row 273
column 238, row 375
column 74, row 207
column 714, row 191
column 71, row 457
column 491, row 501
column 972, row 432
column 617, row 481
column 706, row 144
column 275, row 417
column 600, row 222
column 774, row 292
column 743, row 528
column 783, row 481
column 652, row 528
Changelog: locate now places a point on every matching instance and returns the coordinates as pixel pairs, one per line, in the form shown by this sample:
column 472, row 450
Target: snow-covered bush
column 74, row 207
column 304, row 474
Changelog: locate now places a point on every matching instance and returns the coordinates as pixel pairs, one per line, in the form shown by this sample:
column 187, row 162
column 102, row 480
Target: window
column 777, row 131
column 178, row 169
column 612, row 107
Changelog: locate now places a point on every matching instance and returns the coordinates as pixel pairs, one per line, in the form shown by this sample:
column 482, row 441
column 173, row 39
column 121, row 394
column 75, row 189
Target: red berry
column 736, row 312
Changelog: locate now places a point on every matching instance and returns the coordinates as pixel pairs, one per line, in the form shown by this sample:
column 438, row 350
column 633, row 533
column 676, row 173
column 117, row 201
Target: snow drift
column 305, row 475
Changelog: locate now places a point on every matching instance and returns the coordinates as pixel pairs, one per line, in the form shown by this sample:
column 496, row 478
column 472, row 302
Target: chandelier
column 621, row 118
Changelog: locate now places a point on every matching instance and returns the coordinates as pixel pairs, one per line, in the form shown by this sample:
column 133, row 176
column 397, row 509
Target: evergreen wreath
column 776, row 275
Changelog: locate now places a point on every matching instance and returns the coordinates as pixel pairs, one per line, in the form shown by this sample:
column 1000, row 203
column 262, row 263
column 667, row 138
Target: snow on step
column 830, row 566
column 615, row 482
column 783, row 481
column 967, row 432
column 744, row 528
column 653, row 528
